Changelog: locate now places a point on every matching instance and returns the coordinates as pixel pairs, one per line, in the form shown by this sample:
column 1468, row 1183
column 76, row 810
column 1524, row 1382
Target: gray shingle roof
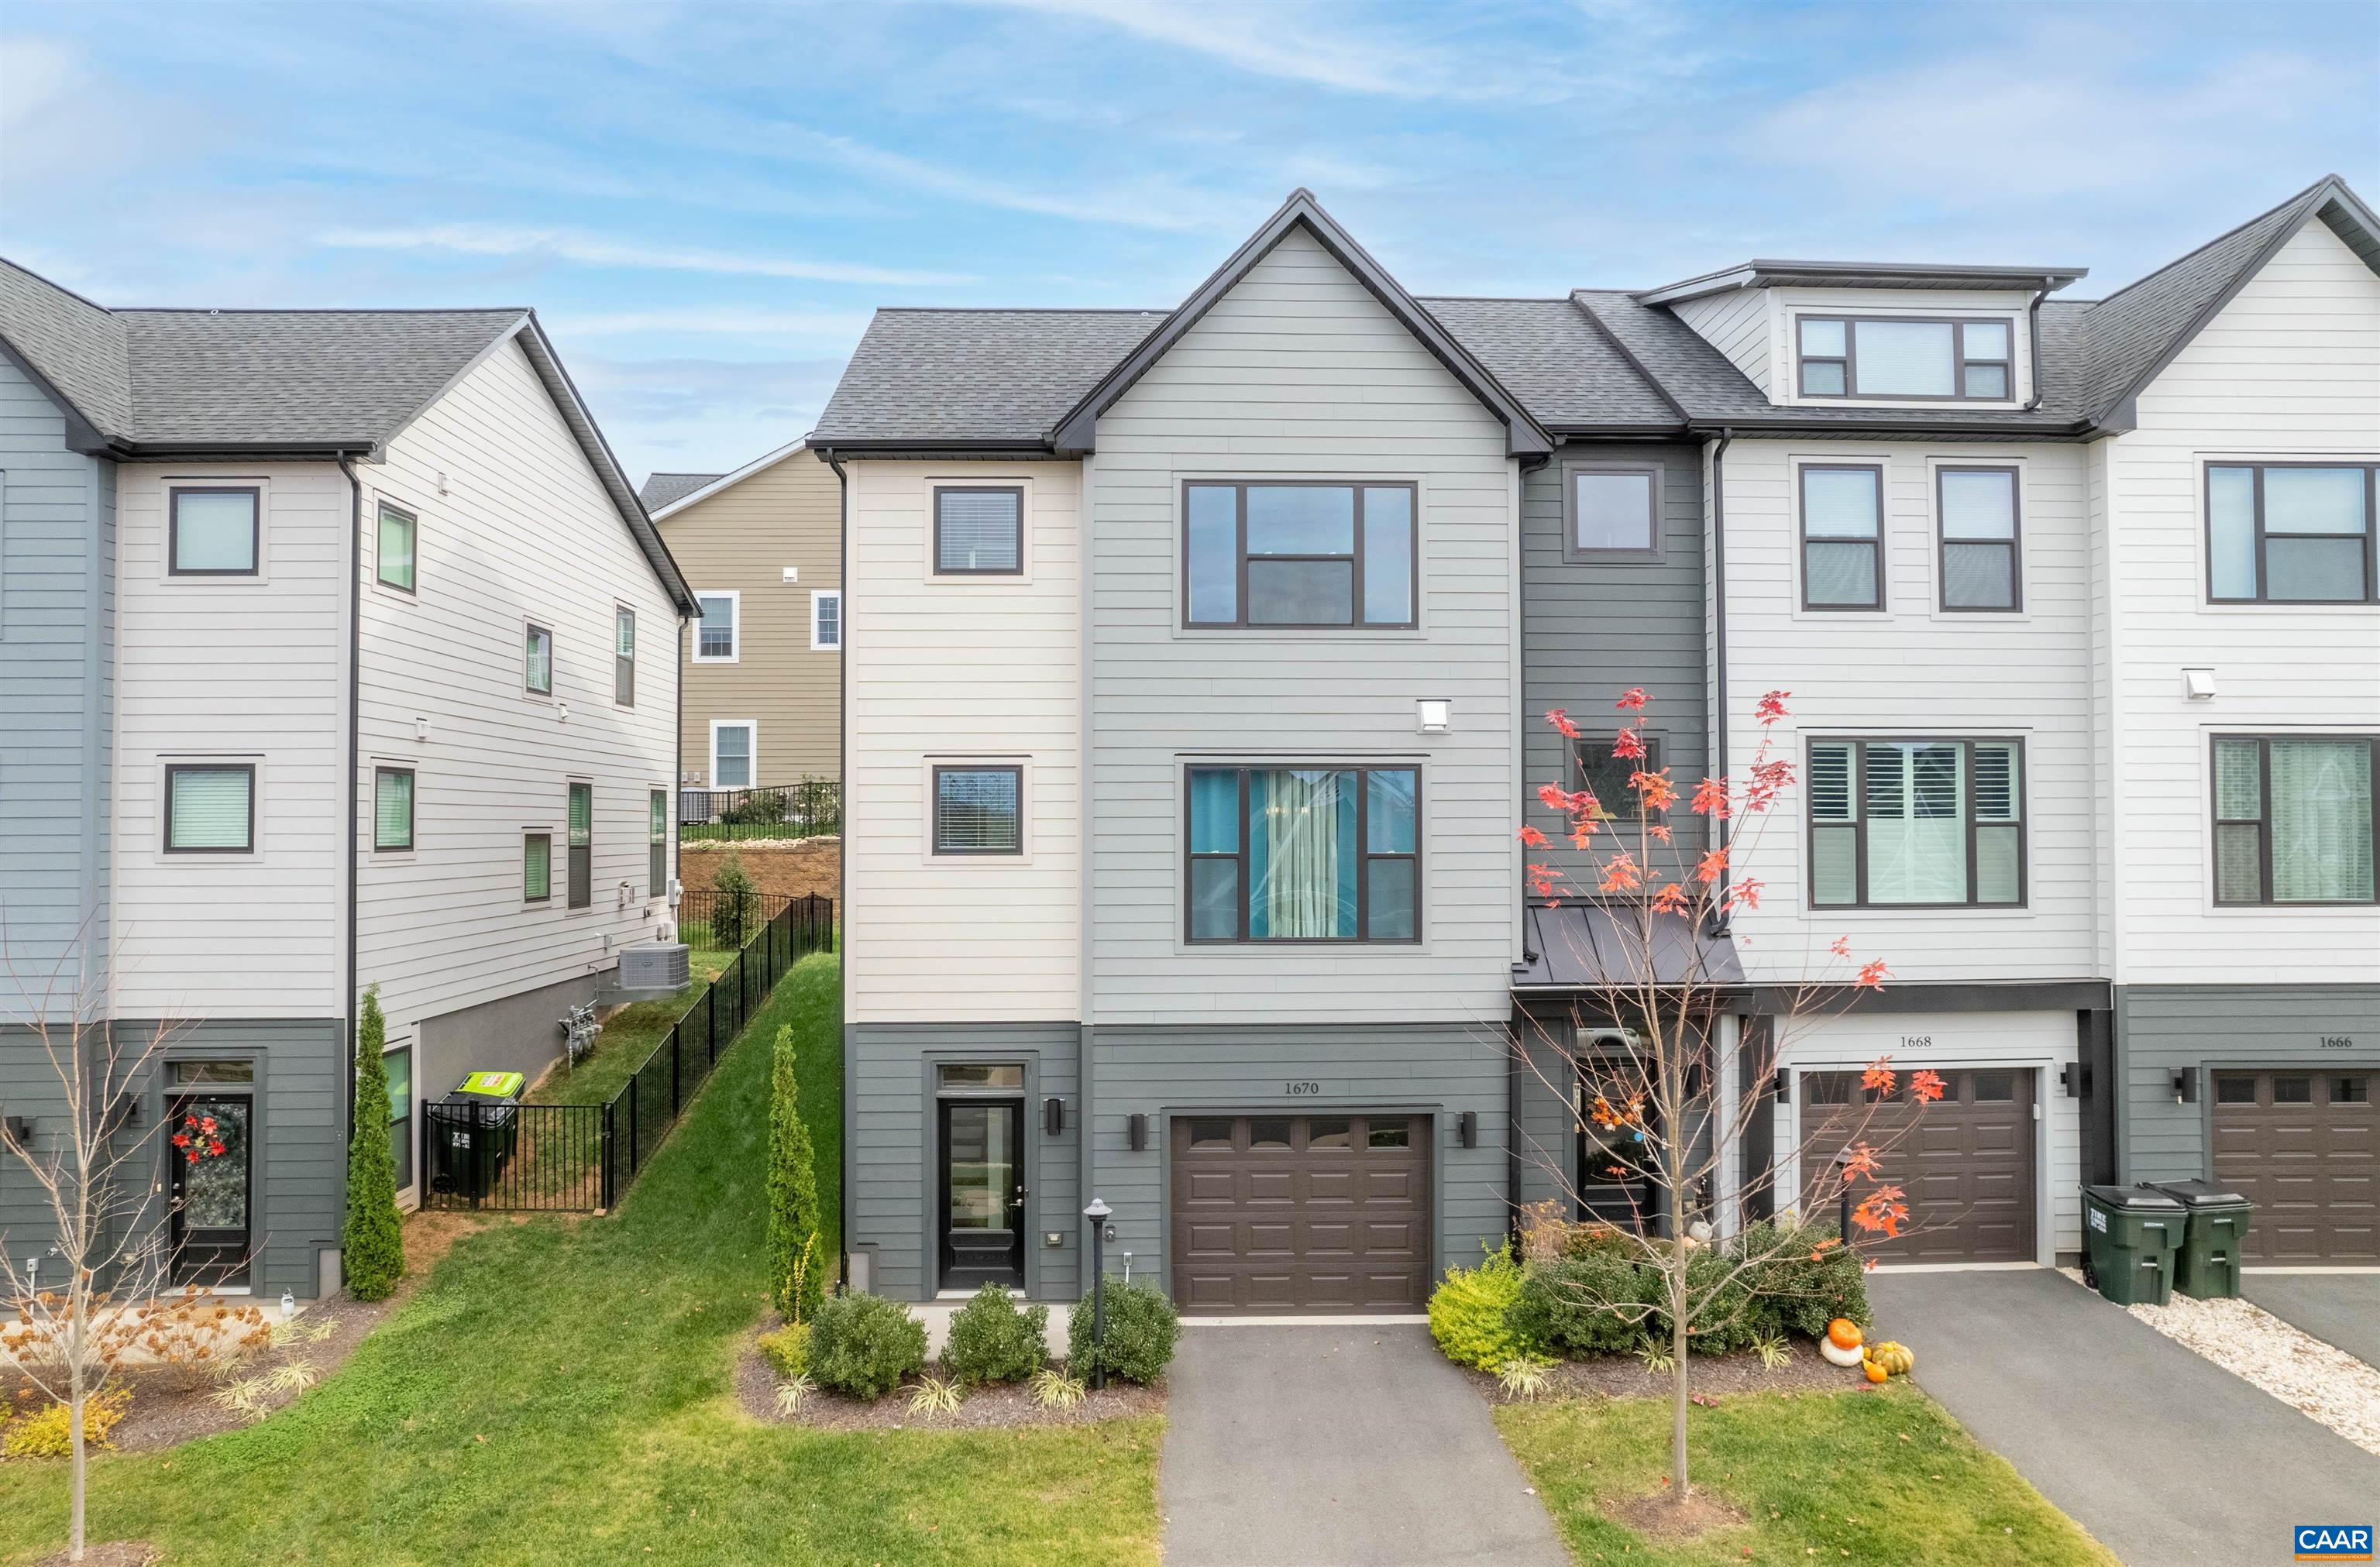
column 1547, row 353
column 662, row 488
column 73, row 345
column 964, row 376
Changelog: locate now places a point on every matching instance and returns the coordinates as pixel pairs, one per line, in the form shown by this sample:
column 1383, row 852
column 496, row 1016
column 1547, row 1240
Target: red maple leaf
column 1882, row 1209
column 1658, row 829
column 1770, row 708
column 1654, row 789
column 1879, row 1076
column 1858, row 1162
column 1559, row 719
column 1710, row 798
column 1628, row 746
column 1745, row 894
column 1926, row 1086
column 1532, row 837
column 1712, row 867
column 1842, row 947
column 1622, row 874
column 1671, row 899
column 1632, row 699
column 1872, row 976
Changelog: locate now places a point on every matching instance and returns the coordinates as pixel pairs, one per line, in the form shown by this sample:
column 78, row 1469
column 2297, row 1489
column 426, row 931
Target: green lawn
column 1877, row 1479
column 558, row 1391
column 629, row 1036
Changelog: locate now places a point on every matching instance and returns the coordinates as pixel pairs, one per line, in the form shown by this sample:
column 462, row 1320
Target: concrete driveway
column 2167, row 1458
column 1337, row 1447
column 2338, row 1308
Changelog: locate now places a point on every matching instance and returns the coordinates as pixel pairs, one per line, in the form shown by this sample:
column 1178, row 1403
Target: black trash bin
column 473, row 1134
column 2207, row 1265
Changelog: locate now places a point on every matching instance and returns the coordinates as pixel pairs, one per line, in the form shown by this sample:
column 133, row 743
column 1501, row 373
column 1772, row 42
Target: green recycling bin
column 2130, row 1234
column 2215, row 1223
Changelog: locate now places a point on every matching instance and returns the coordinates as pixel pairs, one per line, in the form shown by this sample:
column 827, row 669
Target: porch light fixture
column 1470, row 1128
column 2185, row 1085
column 1053, row 1117
column 1099, row 1213
column 20, row 1129
column 1434, row 715
column 1139, row 1125
column 1781, row 1084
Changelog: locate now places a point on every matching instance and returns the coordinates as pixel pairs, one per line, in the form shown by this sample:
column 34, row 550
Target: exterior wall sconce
column 1433, row 715
column 1139, row 1125
column 20, row 1130
column 2185, row 1085
column 2073, row 1077
column 2198, row 684
column 1053, row 1117
column 1470, row 1128
column 1781, row 1084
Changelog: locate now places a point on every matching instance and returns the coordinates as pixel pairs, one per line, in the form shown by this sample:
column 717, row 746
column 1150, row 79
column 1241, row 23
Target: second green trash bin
column 2130, row 1234
column 2207, row 1265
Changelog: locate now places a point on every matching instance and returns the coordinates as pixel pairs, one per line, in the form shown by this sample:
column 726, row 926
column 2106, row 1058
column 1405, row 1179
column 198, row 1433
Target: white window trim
column 836, row 646
column 716, row 726
column 735, row 598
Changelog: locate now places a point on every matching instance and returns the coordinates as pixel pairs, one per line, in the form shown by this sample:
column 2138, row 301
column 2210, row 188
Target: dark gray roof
column 1549, row 355
column 993, row 377
column 662, row 488
column 74, row 346
column 1585, row 946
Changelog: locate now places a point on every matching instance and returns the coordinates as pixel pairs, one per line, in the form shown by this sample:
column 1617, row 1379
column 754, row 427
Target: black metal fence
column 805, row 809
column 577, row 1158
column 724, row 921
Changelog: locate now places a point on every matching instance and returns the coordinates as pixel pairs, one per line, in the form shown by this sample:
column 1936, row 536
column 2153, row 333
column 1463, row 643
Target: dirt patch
column 1623, row 1375
column 787, row 869
column 992, row 1408
column 115, row 1553
column 1661, row 1517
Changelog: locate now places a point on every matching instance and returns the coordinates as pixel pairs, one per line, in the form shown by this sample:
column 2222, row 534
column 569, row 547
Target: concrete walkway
column 2167, row 1458
column 2338, row 1308
column 1337, row 1447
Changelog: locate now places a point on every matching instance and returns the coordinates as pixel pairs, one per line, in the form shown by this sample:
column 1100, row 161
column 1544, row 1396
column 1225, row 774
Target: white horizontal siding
column 1737, row 325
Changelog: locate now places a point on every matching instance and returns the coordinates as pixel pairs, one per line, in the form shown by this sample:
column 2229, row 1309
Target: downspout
column 355, row 748
column 2032, row 330
column 1719, row 651
column 842, row 854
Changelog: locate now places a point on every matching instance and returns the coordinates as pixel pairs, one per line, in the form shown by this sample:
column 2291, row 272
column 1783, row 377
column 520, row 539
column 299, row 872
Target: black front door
column 983, row 1193
column 209, row 1145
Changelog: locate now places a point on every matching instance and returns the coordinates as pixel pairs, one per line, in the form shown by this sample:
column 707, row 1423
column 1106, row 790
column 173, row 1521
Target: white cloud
column 1158, row 202
column 712, row 320
column 564, row 244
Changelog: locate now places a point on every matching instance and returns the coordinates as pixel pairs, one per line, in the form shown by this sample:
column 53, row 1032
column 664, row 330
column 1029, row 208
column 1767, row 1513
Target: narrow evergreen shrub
column 993, row 1341
column 371, row 1239
column 1469, row 1313
column 797, row 1265
column 865, row 1345
column 733, row 911
column 1142, row 1328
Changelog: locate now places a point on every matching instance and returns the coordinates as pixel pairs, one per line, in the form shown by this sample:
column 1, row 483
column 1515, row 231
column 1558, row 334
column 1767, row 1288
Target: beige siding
column 957, row 669
column 2289, row 368
column 1737, row 325
column 741, row 540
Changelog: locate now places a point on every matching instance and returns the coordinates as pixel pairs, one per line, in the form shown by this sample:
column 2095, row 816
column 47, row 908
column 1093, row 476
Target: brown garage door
column 1293, row 1214
column 1966, row 1162
column 2302, row 1146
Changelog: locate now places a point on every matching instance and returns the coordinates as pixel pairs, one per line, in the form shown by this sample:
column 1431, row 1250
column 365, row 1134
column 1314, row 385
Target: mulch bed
column 1659, row 1517
column 1009, row 1406
column 1623, row 1375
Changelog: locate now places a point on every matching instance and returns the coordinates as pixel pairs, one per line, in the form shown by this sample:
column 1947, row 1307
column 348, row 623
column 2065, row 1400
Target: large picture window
column 2293, row 818
column 1304, row 853
column 979, row 810
column 1299, row 554
column 2290, row 533
column 1842, row 536
column 980, row 530
column 1916, row 823
column 1905, row 357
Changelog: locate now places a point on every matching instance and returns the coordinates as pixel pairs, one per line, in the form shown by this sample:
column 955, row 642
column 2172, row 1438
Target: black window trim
column 2216, row 821
column 1967, row 744
column 1355, row 584
column 1942, row 541
column 380, row 577
column 572, row 851
column 1582, row 554
column 1848, row 359
column 623, row 665
column 173, row 769
column 934, row 810
column 1801, row 528
column 546, row 896
column 528, row 626
column 412, row 807
column 1364, row 856
column 941, row 490
column 255, row 493
column 2264, row 576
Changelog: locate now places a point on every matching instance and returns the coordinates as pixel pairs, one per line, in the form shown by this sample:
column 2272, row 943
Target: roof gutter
column 2033, row 329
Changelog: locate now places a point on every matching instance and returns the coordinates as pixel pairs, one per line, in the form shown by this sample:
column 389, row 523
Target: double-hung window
column 582, row 844
column 400, row 534
column 979, row 810
column 391, row 809
column 537, row 668
column 715, row 633
column 1842, row 536
column 978, row 530
column 2291, row 533
column 657, row 844
column 1916, row 823
column 624, row 655
column 213, row 529
column 2293, row 818
column 1908, row 358
column 1303, row 853
column 1299, row 554
column 826, row 621
column 731, row 744
column 211, row 808
column 1981, row 567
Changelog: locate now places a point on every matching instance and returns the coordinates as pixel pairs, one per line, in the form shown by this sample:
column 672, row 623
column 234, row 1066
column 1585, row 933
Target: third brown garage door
column 2301, row 1145
column 1966, row 1162
column 1301, row 1214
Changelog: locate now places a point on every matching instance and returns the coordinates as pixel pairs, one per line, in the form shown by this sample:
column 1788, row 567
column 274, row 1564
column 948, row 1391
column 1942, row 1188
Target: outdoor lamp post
column 1098, row 1213
column 1843, row 1202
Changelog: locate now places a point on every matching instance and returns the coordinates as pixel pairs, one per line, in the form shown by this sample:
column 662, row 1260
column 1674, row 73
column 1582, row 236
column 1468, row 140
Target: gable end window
column 1980, row 566
column 2291, row 533
column 582, row 844
column 1299, row 554
column 1301, row 854
column 211, row 808
column 979, row 810
column 978, row 530
column 391, row 809
column 1842, row 530
column 715, row 632
column 624, row 656
column 399, row 535
column 213, row 530
column 1612, row 512
column 537, row 670
column 1916, row 823
column 826, row 621
column 1906, row 359
column 2294, row 819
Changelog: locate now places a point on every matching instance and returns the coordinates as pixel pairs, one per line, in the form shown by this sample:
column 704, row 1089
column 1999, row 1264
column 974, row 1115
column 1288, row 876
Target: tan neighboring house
column 761, row 547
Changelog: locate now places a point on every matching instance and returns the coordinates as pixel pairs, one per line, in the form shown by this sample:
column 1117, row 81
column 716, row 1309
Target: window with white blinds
column 978, row 811
column 537, row 867
column 2293, row 818
column 978, row 530
column 1916, row 823
column 582, row 844
column 211, row 808
column 392, row 807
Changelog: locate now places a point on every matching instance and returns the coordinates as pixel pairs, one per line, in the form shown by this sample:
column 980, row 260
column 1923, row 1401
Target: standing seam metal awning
column 1585, row 946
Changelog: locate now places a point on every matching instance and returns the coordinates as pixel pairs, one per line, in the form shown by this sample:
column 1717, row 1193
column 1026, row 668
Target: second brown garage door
column 1965, row 1162
column 1301, row 1214
column 2302, row 1145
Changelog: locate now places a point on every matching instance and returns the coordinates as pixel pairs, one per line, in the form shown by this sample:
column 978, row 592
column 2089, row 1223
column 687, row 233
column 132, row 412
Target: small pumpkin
column 1877, row 1373
column 1838, row 1355
column 1843, row 1333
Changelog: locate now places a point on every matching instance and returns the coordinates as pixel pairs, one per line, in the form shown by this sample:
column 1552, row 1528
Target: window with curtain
column 210, row 809
column 213, row 530
column 1908, row 357
column 1842, row 525
column 714, row 633
column 657, row 844
column 731, row 755
column 537, row 867
column 978, row 530
column 399, row 532
column 978, row 811
column 392, row 807
column 582, row 844
column 537, row 667
column 2293, row 820
column 1319, row 854
column 624, row 656
column 1302, row 556
column 2291, row 533
column 1916, row 823
column 1977, row 510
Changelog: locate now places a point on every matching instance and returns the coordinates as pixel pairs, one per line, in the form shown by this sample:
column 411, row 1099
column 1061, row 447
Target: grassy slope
column 558, row 1392
column 629, row 1036
column 1823, row 1476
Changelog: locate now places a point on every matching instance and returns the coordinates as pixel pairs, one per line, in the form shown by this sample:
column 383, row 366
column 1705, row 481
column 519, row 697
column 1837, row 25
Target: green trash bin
column 2130, row 1234
column 2216, row 1221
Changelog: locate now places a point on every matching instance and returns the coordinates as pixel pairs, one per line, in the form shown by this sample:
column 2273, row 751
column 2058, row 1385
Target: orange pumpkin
column 1843, row 1333
column 1877, row 1373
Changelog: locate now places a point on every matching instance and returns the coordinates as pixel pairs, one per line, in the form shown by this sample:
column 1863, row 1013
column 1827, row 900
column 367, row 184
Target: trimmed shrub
column 1595, row 1302
column 797, row 1265
column 788, row 1350
column 49, row 1432
column 371, row 1240
column 1796, row 1293
column 1470, row 1313
column 865, row 1345
column 992, row 1340
column 1142, row 1327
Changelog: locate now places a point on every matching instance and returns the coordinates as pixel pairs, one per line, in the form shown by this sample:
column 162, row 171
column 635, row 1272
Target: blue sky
column 704, row 202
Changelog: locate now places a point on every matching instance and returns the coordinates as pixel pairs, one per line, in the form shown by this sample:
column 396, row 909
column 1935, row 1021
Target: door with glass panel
column 210, row 1151
column 981, row 1217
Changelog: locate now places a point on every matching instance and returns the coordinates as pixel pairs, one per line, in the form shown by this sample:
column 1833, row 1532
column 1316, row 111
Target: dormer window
column 1907, row 358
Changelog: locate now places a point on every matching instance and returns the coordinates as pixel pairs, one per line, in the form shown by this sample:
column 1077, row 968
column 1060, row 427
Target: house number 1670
column 1301, row 1091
